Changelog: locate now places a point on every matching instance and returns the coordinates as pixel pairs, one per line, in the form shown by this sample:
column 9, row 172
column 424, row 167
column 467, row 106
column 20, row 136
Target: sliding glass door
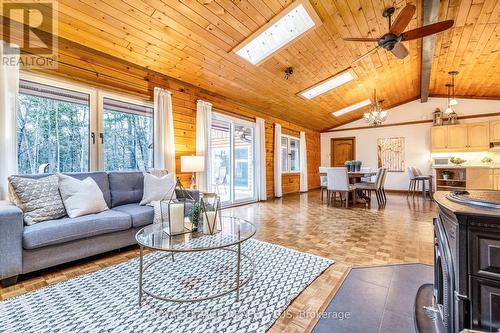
column 232, row 163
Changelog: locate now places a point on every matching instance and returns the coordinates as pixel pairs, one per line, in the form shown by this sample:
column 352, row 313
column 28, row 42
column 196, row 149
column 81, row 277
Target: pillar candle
column 176, row 218
column 209, row 223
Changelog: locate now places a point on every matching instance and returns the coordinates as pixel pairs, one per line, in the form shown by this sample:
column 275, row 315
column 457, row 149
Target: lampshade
column 192, row 164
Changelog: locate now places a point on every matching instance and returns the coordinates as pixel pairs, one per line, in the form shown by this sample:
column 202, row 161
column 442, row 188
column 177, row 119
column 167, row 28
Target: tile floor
column 376, row 299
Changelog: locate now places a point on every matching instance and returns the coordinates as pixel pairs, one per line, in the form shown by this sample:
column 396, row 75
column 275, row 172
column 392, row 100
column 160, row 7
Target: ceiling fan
column 391, row 41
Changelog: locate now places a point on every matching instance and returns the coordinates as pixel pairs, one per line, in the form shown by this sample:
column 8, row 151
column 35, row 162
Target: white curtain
column 303, row 163
column 164, row 144
column 203, row 125
column 277, row 161
column 9, row 88
column 260, row 158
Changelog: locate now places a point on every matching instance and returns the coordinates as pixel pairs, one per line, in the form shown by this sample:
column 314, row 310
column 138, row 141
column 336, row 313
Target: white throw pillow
column 81, row 197
column 156, row 188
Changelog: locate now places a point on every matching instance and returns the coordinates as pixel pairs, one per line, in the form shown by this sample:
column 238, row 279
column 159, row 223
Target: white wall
column 417, row 136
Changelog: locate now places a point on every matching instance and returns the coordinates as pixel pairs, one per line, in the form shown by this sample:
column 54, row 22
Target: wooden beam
column 430, row 15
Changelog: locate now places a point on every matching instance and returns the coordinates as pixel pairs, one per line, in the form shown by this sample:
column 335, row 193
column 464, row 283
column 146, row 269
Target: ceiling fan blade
column 366, row 54
column 400, row 50
column 427, row 30
column 360, row 39
column 403, row 20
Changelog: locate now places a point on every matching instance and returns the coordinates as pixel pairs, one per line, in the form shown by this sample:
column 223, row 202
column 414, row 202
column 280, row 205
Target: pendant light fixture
column 453, row 101
column 375, row 116
column 451, row 93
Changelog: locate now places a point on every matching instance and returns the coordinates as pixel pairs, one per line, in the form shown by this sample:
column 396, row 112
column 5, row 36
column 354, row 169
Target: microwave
column 441, row 161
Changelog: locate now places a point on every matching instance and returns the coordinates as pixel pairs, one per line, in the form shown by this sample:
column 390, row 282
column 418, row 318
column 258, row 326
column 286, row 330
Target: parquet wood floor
column 399, row 233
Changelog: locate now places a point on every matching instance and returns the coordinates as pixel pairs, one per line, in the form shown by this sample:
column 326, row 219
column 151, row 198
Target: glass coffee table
column 182, row 251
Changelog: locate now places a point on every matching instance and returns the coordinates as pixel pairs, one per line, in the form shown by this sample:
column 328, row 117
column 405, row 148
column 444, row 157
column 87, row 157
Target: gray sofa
column 25, row 249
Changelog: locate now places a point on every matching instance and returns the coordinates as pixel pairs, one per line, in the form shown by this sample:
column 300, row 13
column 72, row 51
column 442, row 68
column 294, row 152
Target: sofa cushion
column 141, row 215
column 101, row 178
column 68, row 229
column 39, row 199
column 126, row 187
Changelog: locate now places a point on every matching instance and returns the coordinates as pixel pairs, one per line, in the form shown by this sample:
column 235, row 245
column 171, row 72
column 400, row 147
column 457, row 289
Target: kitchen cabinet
column 479, row 179
column 495, row 131
column 457, row 137
column 496, row 179
column 478, row 135
column 462, row 137
column 439, row 135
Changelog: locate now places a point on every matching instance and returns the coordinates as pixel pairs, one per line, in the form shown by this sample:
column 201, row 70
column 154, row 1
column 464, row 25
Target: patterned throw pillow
column 39, row 199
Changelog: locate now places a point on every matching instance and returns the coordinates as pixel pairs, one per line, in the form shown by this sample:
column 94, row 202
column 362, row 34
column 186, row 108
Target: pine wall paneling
column 79, row 63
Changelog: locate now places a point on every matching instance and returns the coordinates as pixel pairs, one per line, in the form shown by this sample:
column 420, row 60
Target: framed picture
column 391, row 154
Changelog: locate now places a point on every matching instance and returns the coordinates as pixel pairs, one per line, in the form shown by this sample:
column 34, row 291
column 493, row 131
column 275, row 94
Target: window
column 52, row 129
column 290, row 157
column 292, row 22
column 128, row 136
column 65, row 127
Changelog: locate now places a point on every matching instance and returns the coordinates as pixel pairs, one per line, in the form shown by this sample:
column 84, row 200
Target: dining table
column 355, row 177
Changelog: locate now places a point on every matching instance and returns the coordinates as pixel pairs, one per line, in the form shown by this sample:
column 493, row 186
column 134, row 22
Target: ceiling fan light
column 453, row 102
column 448, row 110
column 383, row 114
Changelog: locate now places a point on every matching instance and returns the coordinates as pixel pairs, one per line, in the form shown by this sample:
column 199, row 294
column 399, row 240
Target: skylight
column 353, row 107
column 328, row 84
column 292, row 22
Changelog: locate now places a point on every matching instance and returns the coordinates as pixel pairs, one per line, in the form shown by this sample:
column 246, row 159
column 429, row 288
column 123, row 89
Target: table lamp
column 192, row 164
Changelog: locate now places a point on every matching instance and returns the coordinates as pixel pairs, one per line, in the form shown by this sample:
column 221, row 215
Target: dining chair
column 338, row 181
column 366, row 170
column 382, row 185
column 417, row 178
column 322, row 181
column 374, row 187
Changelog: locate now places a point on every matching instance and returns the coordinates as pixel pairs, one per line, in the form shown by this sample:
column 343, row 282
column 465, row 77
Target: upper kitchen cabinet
column 478, row 136
column 439, row 137
column 462, row 137
column 495, row 131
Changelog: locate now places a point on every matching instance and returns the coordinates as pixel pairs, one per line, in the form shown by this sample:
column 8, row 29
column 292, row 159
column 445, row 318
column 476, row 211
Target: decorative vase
column 446, row 177
column 358, row 167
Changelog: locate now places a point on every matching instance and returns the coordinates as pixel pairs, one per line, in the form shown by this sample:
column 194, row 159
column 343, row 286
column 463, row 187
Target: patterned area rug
column 107, row 300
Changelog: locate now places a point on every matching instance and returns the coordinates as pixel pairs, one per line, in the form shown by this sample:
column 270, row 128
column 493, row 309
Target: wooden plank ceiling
column 192, row 41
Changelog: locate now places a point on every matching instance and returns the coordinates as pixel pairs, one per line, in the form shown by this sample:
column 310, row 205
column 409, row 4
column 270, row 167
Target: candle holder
column 175, row 221
column 210, row 212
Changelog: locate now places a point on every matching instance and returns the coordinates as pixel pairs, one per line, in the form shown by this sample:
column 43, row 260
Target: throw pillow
column 156, row 188
column 81, row 197
column 39, row 199
column 158, row 172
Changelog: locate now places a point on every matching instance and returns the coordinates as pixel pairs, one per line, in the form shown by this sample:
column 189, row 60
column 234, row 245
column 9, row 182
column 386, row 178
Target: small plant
column 446, row 174
column 457, row 160
column 487, row 160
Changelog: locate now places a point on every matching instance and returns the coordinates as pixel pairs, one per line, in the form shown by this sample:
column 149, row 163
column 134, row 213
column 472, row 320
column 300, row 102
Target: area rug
column 107, row 300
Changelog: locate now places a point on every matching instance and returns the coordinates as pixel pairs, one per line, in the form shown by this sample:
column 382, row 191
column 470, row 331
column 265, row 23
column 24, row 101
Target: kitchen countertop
column 466, row 166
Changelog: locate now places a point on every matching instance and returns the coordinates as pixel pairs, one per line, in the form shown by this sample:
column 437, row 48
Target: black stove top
column 483, row 199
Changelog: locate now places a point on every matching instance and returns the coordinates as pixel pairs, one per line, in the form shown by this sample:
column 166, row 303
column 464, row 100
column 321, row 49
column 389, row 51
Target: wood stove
column 466, row 290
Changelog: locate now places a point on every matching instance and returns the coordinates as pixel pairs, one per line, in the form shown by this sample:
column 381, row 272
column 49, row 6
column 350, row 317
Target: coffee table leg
column 238, row 263
column 140, row 275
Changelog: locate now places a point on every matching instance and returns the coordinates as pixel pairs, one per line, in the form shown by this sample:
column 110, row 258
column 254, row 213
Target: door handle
column 92, row 135
column 101, row 136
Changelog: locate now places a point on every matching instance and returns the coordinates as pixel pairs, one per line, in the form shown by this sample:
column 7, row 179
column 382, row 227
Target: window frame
column 96, row 110
column 289, row 138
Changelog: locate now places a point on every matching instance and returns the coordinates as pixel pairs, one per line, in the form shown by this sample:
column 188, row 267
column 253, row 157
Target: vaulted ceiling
column 192, row 41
